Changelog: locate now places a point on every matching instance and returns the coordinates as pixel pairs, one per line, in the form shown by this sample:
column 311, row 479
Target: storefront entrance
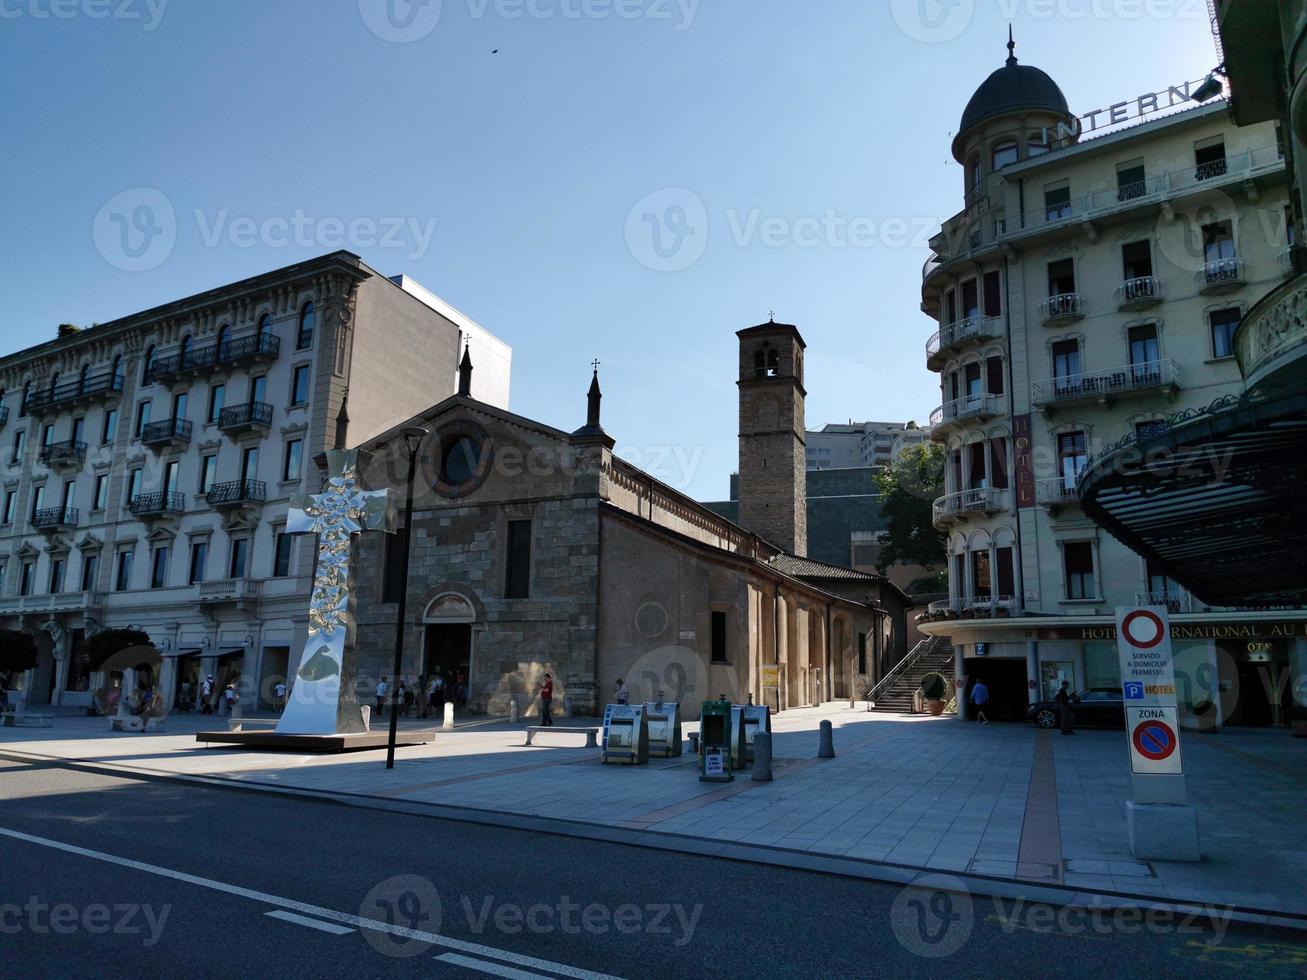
column 448, row 652
column 1006, row 679
column 1265, row 685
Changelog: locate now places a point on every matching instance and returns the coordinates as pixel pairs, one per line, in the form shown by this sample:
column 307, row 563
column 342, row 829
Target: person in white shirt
column 621, row 695
column 279, row 693
column 206, row 696
column 382, row 690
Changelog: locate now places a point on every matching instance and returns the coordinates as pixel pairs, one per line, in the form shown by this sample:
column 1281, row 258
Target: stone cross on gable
column 322, row 700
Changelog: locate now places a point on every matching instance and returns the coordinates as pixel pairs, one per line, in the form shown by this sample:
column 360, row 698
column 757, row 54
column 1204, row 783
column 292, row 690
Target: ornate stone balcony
column 1139, row 294
column 950, row 414
column 954, row 507
column 1272, row 339
column 959, row 336
column 1106, row 386
column 1221, row 276
column 1063, row 308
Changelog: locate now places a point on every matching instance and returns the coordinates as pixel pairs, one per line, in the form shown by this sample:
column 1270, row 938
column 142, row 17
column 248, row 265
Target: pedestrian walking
column 429, row 704
column 546, row 700
column 230, row 698
column 279, row 695
column 383, row 689
column 980, row 698
column 4, row 691
column 621, row 695
column 206, row 696
column 1065, row 711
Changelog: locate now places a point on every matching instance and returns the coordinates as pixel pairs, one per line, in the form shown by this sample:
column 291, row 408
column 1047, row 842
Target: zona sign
column 1154, row 740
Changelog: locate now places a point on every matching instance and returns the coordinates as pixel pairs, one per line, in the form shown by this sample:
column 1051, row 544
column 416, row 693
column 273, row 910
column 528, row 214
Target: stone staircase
column 895, row 692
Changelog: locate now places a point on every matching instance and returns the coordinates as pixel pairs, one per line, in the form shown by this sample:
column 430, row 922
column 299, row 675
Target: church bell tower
column 773, row 465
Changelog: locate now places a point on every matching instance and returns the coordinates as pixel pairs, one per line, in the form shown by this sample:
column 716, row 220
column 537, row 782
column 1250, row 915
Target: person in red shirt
column 546, row 700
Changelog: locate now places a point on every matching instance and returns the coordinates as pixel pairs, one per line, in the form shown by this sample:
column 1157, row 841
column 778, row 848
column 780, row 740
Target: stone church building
column 536, row 550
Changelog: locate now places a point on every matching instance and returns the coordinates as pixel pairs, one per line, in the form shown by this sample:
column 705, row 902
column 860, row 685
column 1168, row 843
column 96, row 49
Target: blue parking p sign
column 1134, row 691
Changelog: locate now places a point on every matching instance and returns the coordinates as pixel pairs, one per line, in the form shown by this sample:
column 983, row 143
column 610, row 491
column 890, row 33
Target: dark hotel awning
column 1217, row 499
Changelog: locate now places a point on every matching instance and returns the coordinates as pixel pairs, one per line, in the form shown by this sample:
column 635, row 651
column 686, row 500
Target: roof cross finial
column 1011, row 47
column 595, row 364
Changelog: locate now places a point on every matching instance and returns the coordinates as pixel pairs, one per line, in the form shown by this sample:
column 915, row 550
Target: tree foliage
column 908, row 487
column 107, row 643
column 17, row 651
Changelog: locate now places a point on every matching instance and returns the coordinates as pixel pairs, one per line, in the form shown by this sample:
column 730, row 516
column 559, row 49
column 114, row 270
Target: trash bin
column 626, row 735
column 715, row 762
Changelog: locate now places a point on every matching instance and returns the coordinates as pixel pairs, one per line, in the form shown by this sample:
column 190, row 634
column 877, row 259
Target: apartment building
column 839, row 445
column 1088, row 293
column 151, row 460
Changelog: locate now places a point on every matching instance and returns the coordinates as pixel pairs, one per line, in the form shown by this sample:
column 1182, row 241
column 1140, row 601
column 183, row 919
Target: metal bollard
column 449, row 715
column 513, row 714
column 762, row 757
column 826, row 750
column 366, row 710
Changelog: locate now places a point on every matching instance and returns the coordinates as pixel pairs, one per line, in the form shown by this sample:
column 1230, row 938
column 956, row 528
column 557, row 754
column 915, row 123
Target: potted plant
column 933, row 689
column 1205, row 716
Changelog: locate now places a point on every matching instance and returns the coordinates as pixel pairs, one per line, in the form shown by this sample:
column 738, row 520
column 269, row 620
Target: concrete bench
column 591, row 734
column 28, row 720
column 247, row 724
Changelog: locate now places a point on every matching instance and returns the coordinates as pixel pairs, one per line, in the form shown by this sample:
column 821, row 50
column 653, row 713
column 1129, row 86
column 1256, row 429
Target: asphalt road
column 108, row 876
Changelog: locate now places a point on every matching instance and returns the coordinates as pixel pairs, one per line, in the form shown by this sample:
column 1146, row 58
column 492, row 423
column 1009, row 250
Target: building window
column 199, row 557
column 1061, row 277
column 281, row 555
column 217, row 395
column 1071, row 458
column 304, row 338
column 980, row 578
column 970, row 300
column 20, row 442
column 994, row 374
column 975, row 173
column 299, row 385
column 1006, row 154
column 22, row 404
column 56, row 576
column 220, row 341
column 240, row 549
column 862, row 653
column 1066, row 366
column 265, row 326
column 1078, row 565
column 1007, row 580
column 1136, row 262
column 1131, row 181
column 208, row 472
column 1038, row 146
column 392, row 576
column 148, row 368
column 123, row 579
column 1224, row 324
column 517, row 579
column 38, row 500
column 719, row 638
column 90, row 570
column 976, row 479
column 179, row 403
column 290, row 465
column 25, row 578
column 1210, row 160
column 1145, row 353
column 159, row 568
column 993, row 294
column 250, row 463
column 109, row 430
column 1057, row 203
column 998, row 471
column 1218, row 242
column 134, row 484
column 47, row 434
column 11, row 498
column 142, row 418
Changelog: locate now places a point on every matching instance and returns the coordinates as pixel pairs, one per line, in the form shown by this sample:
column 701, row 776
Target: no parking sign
column 1143, row 641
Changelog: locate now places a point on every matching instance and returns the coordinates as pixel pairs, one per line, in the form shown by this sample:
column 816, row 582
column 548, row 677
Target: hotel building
column 150, row 462
column 1088, row 295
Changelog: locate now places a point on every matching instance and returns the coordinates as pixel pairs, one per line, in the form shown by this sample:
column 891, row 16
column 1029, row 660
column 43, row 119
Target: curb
column 880, row 872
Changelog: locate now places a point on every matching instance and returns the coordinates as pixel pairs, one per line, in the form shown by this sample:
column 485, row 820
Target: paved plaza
column 910, row 792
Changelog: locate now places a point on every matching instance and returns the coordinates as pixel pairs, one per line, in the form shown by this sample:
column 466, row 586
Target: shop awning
column 1216, row 499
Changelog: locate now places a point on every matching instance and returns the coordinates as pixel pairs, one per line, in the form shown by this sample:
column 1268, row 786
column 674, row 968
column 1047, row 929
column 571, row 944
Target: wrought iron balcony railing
column 1062, row 307
column 158, row 502
column 1175, row 599
column 46, row 398
column 254, row 346
column 166, row 432
column 1139, row 293
column 48, row 518
column 65, row 453
column 1056, row 492
column 977, row 500
column 251, row 415
column 1107, row 384
column 1222, row 275
column 235, row 492
column 971, row 406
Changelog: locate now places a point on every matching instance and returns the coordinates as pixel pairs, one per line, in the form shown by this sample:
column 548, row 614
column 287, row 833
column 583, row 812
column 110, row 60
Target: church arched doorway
column 447, row 647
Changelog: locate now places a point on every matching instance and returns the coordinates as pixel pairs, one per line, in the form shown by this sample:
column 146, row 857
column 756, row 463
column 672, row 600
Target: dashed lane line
column 289, row 904
column 304, row 920
column 481, row 966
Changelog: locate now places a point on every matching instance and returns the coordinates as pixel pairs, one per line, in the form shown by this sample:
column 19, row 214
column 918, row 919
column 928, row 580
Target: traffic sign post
column 1161, row 826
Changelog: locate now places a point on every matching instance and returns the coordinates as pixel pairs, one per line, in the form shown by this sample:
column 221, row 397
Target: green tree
column 908, row 487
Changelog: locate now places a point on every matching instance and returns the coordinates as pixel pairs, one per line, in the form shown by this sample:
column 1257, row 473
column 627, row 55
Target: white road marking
column 345, row 918
column 304, row 920
column 481, row 966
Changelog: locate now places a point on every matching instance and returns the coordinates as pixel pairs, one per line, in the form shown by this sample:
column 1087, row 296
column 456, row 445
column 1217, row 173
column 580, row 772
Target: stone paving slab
column 921, row 793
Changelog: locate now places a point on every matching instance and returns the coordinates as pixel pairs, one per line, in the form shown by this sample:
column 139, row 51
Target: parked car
column 1099, row 707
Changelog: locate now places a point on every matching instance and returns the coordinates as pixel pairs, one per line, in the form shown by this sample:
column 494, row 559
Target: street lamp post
column 411, row 439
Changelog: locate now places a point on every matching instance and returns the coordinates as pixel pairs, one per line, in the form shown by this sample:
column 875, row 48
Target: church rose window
column 463, row 461
column 459, row 460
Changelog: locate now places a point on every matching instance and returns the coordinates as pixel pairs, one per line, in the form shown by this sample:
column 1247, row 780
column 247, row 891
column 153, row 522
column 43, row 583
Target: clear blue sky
column 531, row 160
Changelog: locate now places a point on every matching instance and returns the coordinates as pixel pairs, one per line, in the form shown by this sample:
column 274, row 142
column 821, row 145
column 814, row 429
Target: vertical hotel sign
column 1025, row 467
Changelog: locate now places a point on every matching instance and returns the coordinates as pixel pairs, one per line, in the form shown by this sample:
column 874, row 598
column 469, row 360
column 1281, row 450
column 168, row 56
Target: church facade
column 537, row 550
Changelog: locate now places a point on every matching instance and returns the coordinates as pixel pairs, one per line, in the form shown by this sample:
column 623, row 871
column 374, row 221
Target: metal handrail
column 55, row 517
column 1095, row 384
column 237, row 491
column 968, row 405
column 1139, row 290
column 68, row 449
column 251, row 413
column 928, row 645
column 166, row 429
column 44, row 396
column 214, row 354
column 1057, row 490
column 1062, row 305
column 1221, row 271
column 160, row 501
column 966, row 501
